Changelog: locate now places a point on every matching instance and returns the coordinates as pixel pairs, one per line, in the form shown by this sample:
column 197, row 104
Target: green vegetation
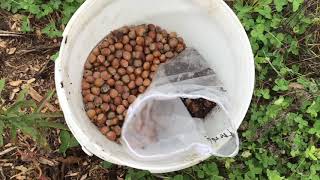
column 25, row 115
column 281, row 132
column 67, row 141
column 55, row 12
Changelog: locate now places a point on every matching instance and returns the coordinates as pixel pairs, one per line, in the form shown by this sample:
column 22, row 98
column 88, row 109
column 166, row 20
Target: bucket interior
column 213, row 31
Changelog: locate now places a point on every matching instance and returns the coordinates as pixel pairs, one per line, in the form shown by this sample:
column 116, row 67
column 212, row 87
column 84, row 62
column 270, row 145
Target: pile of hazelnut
column 120, row 68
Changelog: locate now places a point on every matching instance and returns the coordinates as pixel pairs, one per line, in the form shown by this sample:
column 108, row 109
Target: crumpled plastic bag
column 158, row 125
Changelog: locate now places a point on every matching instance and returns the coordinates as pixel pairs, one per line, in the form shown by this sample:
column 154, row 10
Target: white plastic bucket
column 210, row 26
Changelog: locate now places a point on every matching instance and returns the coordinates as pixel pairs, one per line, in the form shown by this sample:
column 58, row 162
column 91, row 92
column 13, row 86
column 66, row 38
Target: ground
column 280, row 136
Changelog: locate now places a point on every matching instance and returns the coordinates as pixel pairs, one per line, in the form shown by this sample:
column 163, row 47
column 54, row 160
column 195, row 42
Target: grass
column 281, row 133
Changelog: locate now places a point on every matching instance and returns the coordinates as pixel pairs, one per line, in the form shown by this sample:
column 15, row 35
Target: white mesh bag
column 158, row 126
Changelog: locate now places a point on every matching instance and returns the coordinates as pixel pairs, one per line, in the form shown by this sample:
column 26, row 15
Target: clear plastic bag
column 158, row 125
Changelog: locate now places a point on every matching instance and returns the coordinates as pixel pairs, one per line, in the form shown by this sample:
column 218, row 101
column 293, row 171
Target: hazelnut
column 95, row 90
column 91, row 113
column 85, row 85
column 99, row 82
column 126, row 55
column 111, row 135
column 104, row 130
column 125, row 78
column 120, row 109
column 131, row 98
column 113, row 93
column 118, row 45
column 124, row 63
column 146, row 82
column 105, row 98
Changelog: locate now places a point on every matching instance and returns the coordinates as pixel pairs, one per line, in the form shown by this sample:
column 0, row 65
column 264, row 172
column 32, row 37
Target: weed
column 67, row 141
column 25, row 115
column 281, row 132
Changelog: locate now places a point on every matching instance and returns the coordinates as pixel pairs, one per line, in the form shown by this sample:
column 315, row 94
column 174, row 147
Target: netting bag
column 158, row 125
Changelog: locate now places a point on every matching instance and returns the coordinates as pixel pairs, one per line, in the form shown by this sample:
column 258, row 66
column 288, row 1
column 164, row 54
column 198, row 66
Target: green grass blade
column 53, row 125
column 2, row 84
column 43, row 115
column 15, row 108
column 13, row 133
column 1, row 132
column 22, row 95
column 45, row 100
column 67, row 141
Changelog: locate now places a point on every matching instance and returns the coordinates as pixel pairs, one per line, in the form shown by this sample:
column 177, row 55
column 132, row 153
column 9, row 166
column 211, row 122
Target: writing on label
column 225, row 134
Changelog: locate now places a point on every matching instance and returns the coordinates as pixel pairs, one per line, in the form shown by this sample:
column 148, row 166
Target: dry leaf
column 3, row 44
column 296, row 86
column 17, row 17
column 44, row 110
column 8, row 145
column 14, row 27
column 21, row 177
column 31, row 81
column 14, row 91
column 71, row 174
column 36, row 96
column 84, row 177
column 21, row 168
column 47, row 161
column 38, row 33
column 7, row 164
column 11, row 50
column 15, row 83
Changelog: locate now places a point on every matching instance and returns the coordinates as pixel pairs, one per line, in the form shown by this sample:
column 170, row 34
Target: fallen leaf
column 11, row 50
column 69, row 160
column 71, row 174
column 38, row 33
column 21, row 168
column 3, row 44
column 36, row 96
column 44, row 110
column 13, row 94
column 296, row 86
column 7, row 164
column 84, row 177
column 31, row 81
column 26, row 156
column 17, row 17
column 20, row 177
column 15, row 83
column 36, row 68
column 14, row 27
column 8, row 145
column 47, row 161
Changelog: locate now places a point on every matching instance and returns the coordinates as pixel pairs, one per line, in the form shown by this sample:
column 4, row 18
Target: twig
column 160, row 176
column 37, row 48
column 273, row 66
column 10, row 34
column 14, row 34
column 298, row 62
column 1, row 172
column 7, row 150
